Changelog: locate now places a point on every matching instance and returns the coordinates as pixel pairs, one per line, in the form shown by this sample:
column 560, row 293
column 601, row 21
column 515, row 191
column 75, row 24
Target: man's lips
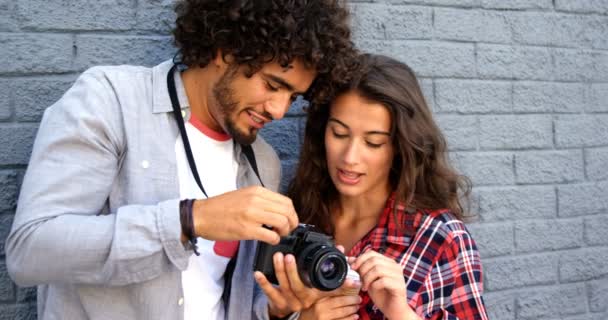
column 257, row 120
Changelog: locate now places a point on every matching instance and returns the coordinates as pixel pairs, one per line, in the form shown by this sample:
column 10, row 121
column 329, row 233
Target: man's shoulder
column 118, row 73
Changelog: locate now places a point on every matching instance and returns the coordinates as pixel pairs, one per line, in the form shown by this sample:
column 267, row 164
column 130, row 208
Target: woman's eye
column 339, row 135
column 374, row 145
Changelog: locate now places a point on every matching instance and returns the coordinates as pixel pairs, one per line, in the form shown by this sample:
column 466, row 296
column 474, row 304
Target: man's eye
column 271, row 87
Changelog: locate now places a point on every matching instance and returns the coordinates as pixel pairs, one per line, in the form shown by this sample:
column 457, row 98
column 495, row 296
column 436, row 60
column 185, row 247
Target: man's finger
column 263, row 234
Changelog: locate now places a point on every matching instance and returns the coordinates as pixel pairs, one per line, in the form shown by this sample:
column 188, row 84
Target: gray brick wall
column 520, row 88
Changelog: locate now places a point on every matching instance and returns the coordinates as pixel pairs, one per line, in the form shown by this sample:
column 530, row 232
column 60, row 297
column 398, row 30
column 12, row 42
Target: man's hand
column 242, row 214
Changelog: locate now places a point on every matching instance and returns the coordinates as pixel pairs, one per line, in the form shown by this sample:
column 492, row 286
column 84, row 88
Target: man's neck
column 197, row 83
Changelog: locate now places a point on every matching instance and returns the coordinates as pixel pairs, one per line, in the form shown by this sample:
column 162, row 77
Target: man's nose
column 278, row 105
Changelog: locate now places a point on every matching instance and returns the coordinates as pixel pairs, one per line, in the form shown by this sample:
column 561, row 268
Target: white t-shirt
column 203, row 280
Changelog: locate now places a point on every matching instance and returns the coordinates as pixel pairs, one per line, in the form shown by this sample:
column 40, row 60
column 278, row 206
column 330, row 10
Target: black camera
column 320, row 264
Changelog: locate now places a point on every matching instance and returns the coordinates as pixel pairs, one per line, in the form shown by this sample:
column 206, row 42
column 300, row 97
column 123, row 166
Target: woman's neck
column 354, row 217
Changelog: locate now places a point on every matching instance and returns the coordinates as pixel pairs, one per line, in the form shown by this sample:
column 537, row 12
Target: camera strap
column 247, row 149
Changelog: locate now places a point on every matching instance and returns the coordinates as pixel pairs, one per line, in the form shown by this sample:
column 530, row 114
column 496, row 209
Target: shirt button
column 180, row 301
column 145, row 164
column 183, row 114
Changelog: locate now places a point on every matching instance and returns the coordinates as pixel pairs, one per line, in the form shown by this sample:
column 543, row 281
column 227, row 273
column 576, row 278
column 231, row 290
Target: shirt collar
column 160, row 95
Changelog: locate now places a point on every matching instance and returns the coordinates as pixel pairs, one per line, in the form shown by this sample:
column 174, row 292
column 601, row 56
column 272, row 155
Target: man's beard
column 228, row 106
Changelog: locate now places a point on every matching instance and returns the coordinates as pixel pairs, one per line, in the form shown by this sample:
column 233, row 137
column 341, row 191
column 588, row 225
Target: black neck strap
column 182, row 130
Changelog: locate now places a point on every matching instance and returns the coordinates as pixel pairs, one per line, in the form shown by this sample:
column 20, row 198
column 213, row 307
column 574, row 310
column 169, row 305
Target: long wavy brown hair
column 255, row 32
column 421, row 175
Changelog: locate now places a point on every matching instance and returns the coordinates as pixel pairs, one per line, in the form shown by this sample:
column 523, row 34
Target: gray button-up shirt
column 97, row 225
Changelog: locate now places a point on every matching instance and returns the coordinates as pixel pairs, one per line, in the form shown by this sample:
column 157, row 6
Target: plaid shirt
column 441, row 264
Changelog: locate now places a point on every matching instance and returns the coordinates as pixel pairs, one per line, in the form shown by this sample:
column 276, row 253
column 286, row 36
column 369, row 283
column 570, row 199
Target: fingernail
column 289, row 258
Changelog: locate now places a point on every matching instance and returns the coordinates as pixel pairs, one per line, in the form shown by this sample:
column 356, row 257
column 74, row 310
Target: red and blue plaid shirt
column 441, row 264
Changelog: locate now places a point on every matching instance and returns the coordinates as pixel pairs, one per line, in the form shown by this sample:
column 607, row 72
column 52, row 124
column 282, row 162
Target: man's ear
column 222, row 62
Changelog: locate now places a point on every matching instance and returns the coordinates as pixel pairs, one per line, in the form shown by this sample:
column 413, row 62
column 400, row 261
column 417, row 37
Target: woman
column 374, row 174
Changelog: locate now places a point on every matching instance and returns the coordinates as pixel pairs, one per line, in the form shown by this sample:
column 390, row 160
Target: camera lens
column 323, row 267
column 328, row 269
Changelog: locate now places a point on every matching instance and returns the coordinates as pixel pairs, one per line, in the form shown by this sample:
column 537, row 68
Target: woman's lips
column 349, row 177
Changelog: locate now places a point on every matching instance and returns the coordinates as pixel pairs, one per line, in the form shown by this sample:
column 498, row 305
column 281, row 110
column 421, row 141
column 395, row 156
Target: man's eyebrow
column 281, row 82
column 367, row 132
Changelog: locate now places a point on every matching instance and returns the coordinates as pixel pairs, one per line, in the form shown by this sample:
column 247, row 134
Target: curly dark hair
column 421, row 175
column 255, row 32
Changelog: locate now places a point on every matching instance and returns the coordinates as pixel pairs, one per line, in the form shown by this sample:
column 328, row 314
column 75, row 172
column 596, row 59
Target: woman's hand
column 383, row 280
column 333, row 308
column 292, row 295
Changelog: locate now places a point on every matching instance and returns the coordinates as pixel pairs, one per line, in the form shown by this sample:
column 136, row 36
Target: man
column 106, row 224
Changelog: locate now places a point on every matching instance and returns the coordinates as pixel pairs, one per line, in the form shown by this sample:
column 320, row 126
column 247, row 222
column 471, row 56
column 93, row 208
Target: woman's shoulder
column 438, row 225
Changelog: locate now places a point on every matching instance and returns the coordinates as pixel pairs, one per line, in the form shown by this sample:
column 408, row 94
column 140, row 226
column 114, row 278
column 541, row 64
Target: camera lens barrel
column 322, row 266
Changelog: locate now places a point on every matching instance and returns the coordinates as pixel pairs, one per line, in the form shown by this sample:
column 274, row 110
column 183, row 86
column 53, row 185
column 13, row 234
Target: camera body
column 320, row 264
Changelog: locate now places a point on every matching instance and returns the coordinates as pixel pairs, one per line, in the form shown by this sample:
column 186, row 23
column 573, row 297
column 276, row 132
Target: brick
column 8, row 21
column 582, row 199
column 573, row 65
column 511, row 62
column 595, row 230
column 376, row 21
column 6, row 221
column 36, row 94
column 549, row 166
column 285, row 136
column 549, row 29
column 41, row 53
column 517, row 4
column 599, row 316
column 472, row 25
column 427, row 58
column 578, row 317
column 583, row 264
column 428, row 91
column 77, row 15
column 155, row 15
column 516, row 132
column 598, row 98
column 7, row 288
column 548, row 235
column 288, row 171
column 513, row 272
column 298, row 107
column 595, row 31
column 450, row 3
column 599, row 73
column 6, row 103
column 493, row 239
column 499, row 305
column 546, row 97
column 582, row 6
column 485, row 168
column 459, row 131
column 581, row 130
column 473, row 96
column 138, row 50
column 8, row 190
column 16, row 141
column 598, row 295
column 596, row 163
column 512, row 203
column 552, row 301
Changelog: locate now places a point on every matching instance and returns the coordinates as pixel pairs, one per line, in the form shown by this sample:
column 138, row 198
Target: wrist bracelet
column 187, row 221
